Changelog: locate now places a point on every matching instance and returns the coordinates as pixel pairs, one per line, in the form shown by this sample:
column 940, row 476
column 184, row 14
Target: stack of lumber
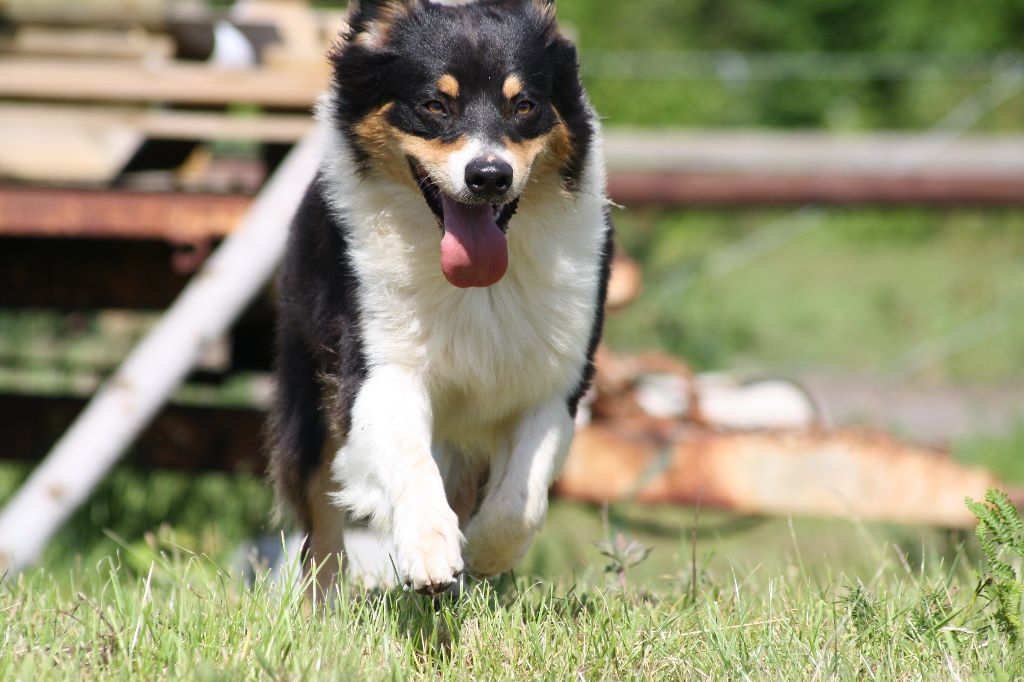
column 84, row 83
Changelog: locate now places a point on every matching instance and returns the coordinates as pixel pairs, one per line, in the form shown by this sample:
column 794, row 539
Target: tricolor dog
column 442, row 294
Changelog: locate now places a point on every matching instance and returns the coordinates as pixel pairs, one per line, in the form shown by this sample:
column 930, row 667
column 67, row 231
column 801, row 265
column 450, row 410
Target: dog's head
column 469, row 104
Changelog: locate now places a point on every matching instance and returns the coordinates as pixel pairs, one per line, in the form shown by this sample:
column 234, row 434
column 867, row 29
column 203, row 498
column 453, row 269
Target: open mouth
column 474, row 249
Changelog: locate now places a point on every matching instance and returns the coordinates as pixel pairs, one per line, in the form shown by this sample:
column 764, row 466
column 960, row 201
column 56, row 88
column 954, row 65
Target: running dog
column 443, row 290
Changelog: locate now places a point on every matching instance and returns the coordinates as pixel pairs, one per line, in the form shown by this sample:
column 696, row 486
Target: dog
column 442, row 293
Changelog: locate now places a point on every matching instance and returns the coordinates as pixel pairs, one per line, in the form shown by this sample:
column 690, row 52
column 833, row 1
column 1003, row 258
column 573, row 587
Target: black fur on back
column 320, row 362
column 587, row 375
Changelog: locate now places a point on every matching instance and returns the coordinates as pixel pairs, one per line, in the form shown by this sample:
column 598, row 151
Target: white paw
column 428, row 548
column 496, row 543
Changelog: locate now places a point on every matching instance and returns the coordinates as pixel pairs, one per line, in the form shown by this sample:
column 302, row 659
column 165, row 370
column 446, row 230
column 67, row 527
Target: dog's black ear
column 364, row 14
column 570, row 101
column 565, row 64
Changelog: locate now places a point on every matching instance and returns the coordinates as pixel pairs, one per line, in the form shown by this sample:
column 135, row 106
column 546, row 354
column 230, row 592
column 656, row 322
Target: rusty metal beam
column 705, row 189
column 194, row 218
column 52, row 212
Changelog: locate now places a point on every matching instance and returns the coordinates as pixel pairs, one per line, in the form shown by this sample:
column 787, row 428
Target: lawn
column 187, row 618
column 859, row 289
column 773, row 598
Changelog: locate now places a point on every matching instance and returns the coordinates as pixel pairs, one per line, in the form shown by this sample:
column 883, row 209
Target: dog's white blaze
column 494, row 363
column 452, row 178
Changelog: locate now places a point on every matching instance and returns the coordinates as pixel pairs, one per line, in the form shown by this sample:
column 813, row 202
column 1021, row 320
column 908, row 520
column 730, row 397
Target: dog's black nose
column 488, row 178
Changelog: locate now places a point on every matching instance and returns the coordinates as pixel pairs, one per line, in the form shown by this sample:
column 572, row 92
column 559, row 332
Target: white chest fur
column 485, row 354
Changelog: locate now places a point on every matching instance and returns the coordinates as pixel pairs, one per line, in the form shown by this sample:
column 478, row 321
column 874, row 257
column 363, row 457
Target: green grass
column 861, row 289
column 159, row 596
column 186, row 618
column 813, row 97
column 1003, row 455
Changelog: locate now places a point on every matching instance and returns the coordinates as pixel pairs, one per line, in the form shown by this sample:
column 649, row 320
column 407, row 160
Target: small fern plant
column 1001, row 533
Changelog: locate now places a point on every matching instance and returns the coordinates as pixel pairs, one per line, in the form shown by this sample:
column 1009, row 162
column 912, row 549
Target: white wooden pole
column 202, row 313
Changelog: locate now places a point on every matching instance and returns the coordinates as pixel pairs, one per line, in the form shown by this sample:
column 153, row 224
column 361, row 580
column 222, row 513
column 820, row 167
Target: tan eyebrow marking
column 448, row 85
column 512, row 87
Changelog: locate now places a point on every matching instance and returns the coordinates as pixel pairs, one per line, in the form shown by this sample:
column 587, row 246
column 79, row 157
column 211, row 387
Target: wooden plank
column 178, row 82
column 86, row 43
column 86, row 12
column 69, row 154
column 809, row 153
column 152, row 122
column 845, row 474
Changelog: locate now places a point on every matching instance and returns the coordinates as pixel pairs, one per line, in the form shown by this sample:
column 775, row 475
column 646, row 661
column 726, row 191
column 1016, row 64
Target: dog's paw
column 428, row 548
column 495, row 543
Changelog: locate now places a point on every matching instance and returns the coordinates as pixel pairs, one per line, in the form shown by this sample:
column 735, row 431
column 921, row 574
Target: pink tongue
column 474, row 252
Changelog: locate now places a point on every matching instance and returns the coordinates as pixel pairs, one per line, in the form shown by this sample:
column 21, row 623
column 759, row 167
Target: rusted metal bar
column 194, row 218
column 36, row 212
column 176, row 217
column 702, row 189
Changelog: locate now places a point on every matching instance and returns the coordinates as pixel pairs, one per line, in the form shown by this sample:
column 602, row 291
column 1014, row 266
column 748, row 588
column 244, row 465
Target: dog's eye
column 525, row 107
column 436, row 107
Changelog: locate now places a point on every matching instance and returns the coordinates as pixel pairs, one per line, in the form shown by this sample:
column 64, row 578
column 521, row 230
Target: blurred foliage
column 211, row 513
column 915, row 98
column 851, row 288
column 803, row 25
column 1004, row 455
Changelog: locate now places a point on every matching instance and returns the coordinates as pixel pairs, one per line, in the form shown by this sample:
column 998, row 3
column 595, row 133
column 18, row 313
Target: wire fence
column 737, row 66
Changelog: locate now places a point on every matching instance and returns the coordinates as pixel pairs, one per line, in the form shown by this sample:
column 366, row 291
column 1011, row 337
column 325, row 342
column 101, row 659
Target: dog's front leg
column 388, row 476
column 516, row 501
